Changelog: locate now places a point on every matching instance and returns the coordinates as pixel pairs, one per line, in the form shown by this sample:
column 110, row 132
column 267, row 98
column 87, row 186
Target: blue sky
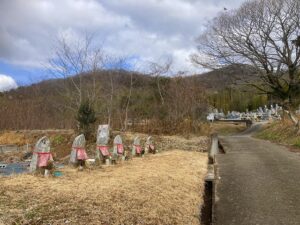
column 140, row 31
column 23, row 75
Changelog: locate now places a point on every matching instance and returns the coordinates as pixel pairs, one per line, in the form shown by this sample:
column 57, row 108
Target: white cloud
column 7, row 83
column 148, row 29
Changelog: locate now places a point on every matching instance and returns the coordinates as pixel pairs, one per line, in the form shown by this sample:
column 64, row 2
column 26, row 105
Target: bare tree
column 157, row 70
column 114, row 65
column 186, row 98
column 261, row 33
column 128, row 102
column 71, row 61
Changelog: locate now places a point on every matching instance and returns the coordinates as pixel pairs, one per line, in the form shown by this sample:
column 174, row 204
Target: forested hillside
column 127, row 100
column 51, row 104
column 230, row 88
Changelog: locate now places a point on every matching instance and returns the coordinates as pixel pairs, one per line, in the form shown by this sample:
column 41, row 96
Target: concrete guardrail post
column 214, row 147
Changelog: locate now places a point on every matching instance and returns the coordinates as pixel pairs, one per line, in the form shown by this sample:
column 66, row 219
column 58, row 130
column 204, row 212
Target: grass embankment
column 225, row 128
column 61, row 141
column 282, row 132
column 165, row 188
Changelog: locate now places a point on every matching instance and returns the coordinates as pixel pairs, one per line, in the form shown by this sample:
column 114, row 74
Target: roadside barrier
column 214, row 148
column 207, row 210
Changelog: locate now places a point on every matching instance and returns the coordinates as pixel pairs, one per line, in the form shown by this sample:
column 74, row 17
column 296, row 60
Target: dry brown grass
column 61, row 142
column 282, row 132
column 12, row 138
column 23, row 137
column 225, row 128
column 166, row 142
column 159, row 189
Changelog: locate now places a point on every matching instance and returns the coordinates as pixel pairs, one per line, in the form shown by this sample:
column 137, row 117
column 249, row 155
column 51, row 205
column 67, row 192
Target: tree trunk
column 127, row 104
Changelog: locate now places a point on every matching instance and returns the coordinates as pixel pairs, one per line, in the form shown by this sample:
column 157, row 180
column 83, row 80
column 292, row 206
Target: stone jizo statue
column 149, row 147
column 136, row 147
column 42, row 157
column 102, row 150
column 78, row 153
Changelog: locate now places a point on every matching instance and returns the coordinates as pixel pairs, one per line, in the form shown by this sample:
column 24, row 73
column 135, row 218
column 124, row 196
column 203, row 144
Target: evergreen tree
column 86, row 117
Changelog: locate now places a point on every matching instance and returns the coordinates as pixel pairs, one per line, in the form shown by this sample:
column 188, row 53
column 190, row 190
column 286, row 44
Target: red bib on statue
column 138, row 149
column 120, row 148
column 43, row 158
column 81, row 154
column 104, row 150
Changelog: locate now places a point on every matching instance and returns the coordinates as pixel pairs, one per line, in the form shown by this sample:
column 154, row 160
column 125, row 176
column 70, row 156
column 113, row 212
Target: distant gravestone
column 269, row 114
column 277, row 108
column 149, row 147
column 266, row 109
column 136, row 147
column 102, row 151
column 221, row 115
column 78, row 153
column 41, row 154
column 233, row 115
column 254, row 116
column 210, row 117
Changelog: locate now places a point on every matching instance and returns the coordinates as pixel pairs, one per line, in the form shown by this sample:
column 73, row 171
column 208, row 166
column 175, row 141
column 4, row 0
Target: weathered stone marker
column 41, row 156
column 78, row 153
column 149, row 146
column 102, row 150
column 214, row 149
column 136, row 147
column 119, row 148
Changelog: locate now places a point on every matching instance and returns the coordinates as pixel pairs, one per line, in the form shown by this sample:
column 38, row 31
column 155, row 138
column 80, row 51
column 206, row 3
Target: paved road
column 259, row 183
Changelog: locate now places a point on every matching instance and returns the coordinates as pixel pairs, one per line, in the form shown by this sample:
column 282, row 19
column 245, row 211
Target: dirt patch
column 165, row 188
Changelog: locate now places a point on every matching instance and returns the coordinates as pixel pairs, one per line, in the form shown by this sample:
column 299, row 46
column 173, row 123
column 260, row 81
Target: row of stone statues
column 42, row 156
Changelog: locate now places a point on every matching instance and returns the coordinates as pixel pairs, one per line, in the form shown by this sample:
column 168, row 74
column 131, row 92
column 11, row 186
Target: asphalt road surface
column 259, row 183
